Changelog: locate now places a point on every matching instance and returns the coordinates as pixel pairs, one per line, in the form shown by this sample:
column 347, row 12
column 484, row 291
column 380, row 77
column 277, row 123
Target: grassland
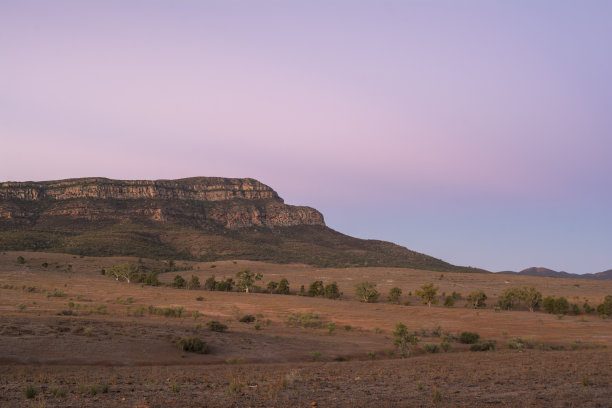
column 66, row 329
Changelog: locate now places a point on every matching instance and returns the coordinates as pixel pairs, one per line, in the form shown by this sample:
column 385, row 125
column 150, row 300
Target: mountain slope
column 203, row 218
column 544, row 272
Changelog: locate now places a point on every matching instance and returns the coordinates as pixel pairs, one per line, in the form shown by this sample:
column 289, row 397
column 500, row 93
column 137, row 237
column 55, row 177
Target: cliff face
column 232, row 203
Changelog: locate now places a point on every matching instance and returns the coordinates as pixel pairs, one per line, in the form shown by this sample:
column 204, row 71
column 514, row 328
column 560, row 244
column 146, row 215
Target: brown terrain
column 83, row 339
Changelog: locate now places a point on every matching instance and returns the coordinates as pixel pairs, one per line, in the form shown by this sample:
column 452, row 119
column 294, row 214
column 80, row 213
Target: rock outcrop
column 228, row 202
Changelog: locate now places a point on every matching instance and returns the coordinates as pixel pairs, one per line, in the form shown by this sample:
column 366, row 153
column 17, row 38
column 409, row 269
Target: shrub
column 199, row 298
column 587, row 308
column 304, row 320
column 331, row 291
column 226, row 285
column 428, row 294
column 179, row 282
column 477, row 299
column 348, row 327
column 193, row 345
column 20, row 260
column 331, row 327
column 283, row 287
column 469, row 337
column 449, row 301
column 211, row 283
column 316, row 288
column 516, row 344
column 484, row 346
column 605, row 308
column 45, row 264
column 315, row 355
column 437, row 396
column 531, row 297
column 394, row 295
column 30, row 391
column 194, row 282
column 575, row 309
column 249, row 318
column 430, row 347
column 366, row 292
column 272, row 286
column 555, row 306
column 58, row 392
column 509, row 298
column 258, row 325
column 402, row 339
column 216, row 326
column 445, row 346
column 21, row 306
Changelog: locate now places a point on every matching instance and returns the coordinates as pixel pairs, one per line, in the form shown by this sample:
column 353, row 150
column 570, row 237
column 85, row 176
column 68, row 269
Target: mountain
column 203, row 218
column 544, row 272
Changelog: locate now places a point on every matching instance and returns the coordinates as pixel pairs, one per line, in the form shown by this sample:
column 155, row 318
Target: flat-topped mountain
column 206, row 218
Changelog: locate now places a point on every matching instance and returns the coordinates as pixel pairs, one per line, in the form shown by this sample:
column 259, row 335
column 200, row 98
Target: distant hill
column 200, row 218
column 544, row 272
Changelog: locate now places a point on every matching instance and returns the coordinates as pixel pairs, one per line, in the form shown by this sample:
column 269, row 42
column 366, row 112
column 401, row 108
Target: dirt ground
column 70, row 330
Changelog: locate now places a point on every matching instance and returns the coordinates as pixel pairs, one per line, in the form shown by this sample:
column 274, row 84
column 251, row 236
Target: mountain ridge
column 549, row 273
column 205, row 218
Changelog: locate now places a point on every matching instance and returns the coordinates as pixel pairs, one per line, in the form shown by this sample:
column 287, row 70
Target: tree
column 124, row 272
column 225, row 285
column 283, row 287
column 316, row 289
column 331, row 291
column 531, row 297
column 272, row 286
column 605, row 309
column 402, row 339
column 429, row 294
column 477, row 298
column 366, row 292
column 509, row 298
column 557, row 306
column 179, row 282
column 394, row 295
column 194, row 283
column 246, row 279
column 449, row 301
column 211, row 283
column 20, row 260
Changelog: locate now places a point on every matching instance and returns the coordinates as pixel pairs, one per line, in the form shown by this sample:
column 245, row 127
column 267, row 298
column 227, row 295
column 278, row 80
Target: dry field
column 110, row 351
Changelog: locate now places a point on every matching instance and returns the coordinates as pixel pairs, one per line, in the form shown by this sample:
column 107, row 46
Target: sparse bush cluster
column 558, row 306
column 166, row 311
column 329, row 291
column 511, row 298
column 193, row 345
column 304, row 320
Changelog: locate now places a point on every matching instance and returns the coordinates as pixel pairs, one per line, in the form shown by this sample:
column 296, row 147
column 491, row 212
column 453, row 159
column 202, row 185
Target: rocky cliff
column 231, row 203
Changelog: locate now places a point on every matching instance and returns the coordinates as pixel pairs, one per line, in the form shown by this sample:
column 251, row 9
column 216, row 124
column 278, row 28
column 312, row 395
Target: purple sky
column 477, row 132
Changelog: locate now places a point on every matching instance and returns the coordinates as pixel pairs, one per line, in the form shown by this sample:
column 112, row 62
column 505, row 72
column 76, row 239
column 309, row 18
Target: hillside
column 549, row 273
column 203, row 218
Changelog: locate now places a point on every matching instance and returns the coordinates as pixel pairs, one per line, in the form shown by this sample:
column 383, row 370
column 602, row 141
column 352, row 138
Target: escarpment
column 200, row 201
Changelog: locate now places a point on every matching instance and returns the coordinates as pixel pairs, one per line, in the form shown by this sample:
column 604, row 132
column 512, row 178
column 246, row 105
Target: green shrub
column 477, row 299
column 430, row 347
column 394, row 295
column 216, row 326
column 304, row 320
column 469, row 337
column 428, row 294
column 331, row 291
column 402, row 339
column 45, row 264
column 348, row 327
column 21, row 306
column 605, row 308
column 20, row 260
column 93, row 390
column 555, row 305
column 449, row 301
column 587, row 308
column 272, row 286
column 366, row 292
column 179, row 282
column 30, row 391
column 56, row 293
column 331, row 327
column 193, row 345
column 249, row 318
column 445, row 346
column 316, row 288
column 226, row 285
column 315, row 355
column 211, row 283
column 484, row 346
column 199, row 298
column 58, row 392
column 516, row 344
column 194, row 283
column 283, row 287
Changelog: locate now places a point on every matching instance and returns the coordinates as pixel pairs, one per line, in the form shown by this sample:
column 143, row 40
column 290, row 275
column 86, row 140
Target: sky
column 478, row 132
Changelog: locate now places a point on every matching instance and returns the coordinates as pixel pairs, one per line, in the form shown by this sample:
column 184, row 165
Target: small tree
column 394, row 295
column 272, row 286
column 428, row 293
column 211, row 283
column 283, row 287
column 402, row 339
column 605, row 309
column 531, row 297
column 225, row 285
column 366, row 292
column 449, row 301
column 20, row 260
column 477, row 299
column 124, row 272
column 509, row 298
column 316, row 289
column 246, row 279
column 331, row 291
column 194, row 283
column 179, row 282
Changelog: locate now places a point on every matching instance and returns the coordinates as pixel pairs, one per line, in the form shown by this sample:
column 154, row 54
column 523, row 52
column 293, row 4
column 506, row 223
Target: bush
column 445, row 346
column 477, row 299
column 469, row 337
column 272, row 286
column 249, row 318
column 331, row 291
column 509, row 298
column 199, row 298
column 366, row 292
column 316, row 289
column 20, row 260
column 449, row 301
column 428, row 293
column 304, row 320
column 58, row 392
column 30, row 391
column 430, row 347
column 179, row 282
column 516, row 344
column 575, row 309
column 587, row 308
column 605, row 309
column 331, row 327
column 558, row 306
column 402, row 339
column 226, row 285
column 485, row 346
column 283, row 287
column 211, row 283
column 394, row 295
column 193, row 345
column 216, row 326
column 194, row 283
